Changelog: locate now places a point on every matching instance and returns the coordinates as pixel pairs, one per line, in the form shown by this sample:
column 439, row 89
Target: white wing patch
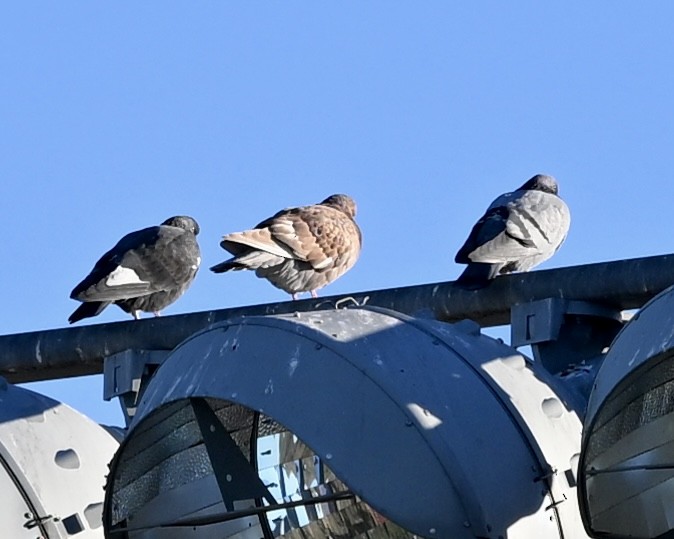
column 326, row 263
column 122, row 276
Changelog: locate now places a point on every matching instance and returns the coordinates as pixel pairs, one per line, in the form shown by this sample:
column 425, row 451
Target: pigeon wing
column 537, row 225
column 143, row 262
column 306, row 234
column 110, row 261
column 171, row 262
column 320, row 235
column 489, row 227
column 533, row 225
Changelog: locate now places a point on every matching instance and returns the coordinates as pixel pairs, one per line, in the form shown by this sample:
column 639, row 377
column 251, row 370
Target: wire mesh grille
column 167, row 453
column 647, row 395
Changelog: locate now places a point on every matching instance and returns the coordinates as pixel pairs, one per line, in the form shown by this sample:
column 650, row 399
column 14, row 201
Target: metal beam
column 77, row 351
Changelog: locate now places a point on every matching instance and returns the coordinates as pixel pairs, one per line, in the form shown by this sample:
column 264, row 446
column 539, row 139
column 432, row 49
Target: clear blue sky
column 115, row 116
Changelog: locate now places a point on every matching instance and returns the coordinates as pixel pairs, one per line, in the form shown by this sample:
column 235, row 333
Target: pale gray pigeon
column 146, row 270
column 518, row 231
column 298, row 249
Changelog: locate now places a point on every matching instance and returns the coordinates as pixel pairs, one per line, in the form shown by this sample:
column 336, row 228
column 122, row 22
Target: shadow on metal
column 347, row 423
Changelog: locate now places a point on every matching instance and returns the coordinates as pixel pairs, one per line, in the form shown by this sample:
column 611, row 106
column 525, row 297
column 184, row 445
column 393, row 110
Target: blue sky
column 116, row 116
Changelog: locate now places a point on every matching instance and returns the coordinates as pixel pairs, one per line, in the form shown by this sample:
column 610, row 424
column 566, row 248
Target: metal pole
column 77, row 351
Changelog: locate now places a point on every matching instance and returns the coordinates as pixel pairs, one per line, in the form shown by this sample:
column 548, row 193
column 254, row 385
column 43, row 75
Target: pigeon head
column 183, row 221
column 343, row 203
column 541, row 182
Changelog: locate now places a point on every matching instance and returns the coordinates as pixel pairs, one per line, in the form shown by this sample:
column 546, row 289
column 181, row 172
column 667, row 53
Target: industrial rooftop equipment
column 385, row 414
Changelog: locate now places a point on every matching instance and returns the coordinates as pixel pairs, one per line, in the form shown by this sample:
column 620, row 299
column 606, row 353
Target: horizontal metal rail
column 80, row 350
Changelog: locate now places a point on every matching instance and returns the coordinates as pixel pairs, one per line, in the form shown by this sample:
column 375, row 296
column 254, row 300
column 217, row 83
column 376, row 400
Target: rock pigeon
column 298, row 249
column 518, row 231
column 146, row 271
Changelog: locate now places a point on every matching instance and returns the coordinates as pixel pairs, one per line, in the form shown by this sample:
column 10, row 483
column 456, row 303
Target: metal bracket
column 34, row 521
column 125, row 375
column 236, row 477
column 558, row 329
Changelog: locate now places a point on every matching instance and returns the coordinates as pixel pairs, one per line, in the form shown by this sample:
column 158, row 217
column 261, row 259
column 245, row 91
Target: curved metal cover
column 626, row 472
column 47, row 450
column 411, row 415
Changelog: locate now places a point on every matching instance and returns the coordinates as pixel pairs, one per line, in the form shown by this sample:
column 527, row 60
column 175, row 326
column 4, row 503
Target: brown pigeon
column 146, row 271
column 298, row 249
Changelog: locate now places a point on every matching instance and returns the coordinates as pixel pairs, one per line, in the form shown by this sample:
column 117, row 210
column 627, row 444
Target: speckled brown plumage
column 298, row 249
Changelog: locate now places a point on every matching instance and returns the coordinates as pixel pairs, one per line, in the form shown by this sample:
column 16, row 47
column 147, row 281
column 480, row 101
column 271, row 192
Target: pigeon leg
column 295, row 296
column 136, row 314
column 156, row 313
column 314, row 294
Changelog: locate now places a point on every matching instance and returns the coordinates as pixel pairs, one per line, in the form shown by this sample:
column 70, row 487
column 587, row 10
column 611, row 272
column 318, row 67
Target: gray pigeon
column 298, row 249
column 146, row 271
column 518, row 231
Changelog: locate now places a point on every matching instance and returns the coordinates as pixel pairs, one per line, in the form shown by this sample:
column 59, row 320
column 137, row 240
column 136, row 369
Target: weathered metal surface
column 77, row 351
column 53, row 462
column 433, row 425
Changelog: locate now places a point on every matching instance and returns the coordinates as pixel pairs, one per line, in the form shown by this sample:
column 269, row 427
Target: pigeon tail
column 87, row 310
column 477, row 275
column 227, row 265
column 251, row 260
